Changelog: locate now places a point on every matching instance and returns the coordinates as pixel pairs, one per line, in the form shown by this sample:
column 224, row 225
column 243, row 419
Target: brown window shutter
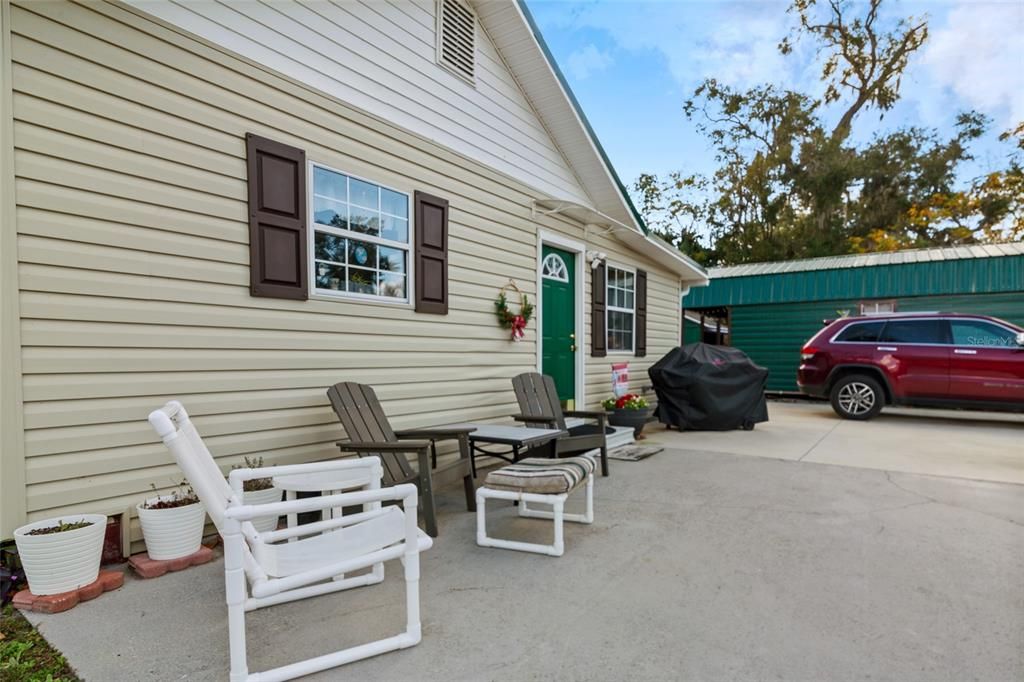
column 641, row 314
column 431, row 215
column 277, row 219
column 598, row 323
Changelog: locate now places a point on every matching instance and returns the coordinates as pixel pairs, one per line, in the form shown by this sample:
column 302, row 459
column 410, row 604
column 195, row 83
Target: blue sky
column 632, row 64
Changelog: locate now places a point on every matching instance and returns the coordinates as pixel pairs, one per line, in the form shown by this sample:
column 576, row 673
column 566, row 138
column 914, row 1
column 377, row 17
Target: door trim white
column 579, row 249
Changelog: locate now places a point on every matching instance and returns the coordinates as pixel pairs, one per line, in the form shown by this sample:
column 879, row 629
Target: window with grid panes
column 361, row 237
column 621, row 309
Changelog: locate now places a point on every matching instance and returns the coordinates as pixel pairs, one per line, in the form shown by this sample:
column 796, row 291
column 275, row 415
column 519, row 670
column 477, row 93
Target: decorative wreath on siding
column 509, row 320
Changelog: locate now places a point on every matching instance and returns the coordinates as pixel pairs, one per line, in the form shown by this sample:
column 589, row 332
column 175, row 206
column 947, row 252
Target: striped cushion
column 541, row 475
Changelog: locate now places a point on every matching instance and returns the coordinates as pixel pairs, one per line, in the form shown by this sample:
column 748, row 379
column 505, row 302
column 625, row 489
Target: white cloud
column 586, row 61
column 978, row 55
column 742, row 51
column 734, row 41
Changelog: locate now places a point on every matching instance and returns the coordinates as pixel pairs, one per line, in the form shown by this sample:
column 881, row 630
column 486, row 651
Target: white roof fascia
column 513, row 32
column 689, row 272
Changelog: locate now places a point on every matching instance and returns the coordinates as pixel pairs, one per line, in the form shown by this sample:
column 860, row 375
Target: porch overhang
column 690, row 273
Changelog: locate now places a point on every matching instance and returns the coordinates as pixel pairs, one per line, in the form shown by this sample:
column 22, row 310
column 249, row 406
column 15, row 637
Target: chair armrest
column 434, row 434
column 238, row 476
column 586, row 414
column 406, row 492
column 535, row 419
column 415, row 541
column 404, row 446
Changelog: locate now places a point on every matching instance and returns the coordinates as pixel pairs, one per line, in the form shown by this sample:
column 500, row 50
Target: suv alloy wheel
column 857, row 396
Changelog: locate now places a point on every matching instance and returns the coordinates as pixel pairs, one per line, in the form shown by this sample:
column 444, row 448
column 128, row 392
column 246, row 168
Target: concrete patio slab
column 700, row 566
column 978, row 445
column 793, row 431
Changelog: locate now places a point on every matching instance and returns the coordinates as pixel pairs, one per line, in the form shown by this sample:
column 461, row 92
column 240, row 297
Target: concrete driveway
column 701, row 565
column 979, row 445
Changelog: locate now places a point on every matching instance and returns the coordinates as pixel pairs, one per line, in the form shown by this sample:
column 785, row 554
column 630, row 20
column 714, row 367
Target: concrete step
column 623, row 436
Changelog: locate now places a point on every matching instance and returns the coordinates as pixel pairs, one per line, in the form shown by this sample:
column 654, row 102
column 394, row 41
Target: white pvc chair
column 264, row 569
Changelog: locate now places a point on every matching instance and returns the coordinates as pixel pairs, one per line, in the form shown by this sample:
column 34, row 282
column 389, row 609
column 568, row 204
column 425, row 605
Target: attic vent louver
column 456, row 38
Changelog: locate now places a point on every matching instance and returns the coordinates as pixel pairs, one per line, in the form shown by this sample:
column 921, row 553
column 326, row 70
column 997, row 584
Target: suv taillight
column 808, row 352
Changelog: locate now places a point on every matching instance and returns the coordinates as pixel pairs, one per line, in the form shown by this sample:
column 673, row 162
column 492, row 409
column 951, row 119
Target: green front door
column 558, row 319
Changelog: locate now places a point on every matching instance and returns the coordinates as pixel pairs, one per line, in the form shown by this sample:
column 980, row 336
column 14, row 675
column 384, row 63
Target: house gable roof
column 516, row 35
column 514, row 32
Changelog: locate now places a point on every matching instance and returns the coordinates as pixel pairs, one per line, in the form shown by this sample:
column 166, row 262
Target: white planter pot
column 172, row 533
column 268, row 496
column 61, row 562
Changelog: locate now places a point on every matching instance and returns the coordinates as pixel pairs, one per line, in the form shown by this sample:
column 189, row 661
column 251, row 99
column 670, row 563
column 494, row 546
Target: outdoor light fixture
column 596, row 258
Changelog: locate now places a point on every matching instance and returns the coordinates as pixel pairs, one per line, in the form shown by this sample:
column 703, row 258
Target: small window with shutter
column 624, row 309
column 621, row 309
column 361, row 237
column 456, row 39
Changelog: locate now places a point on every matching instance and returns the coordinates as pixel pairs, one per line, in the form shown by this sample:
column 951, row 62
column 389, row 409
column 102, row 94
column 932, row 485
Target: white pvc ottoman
column 542, row 481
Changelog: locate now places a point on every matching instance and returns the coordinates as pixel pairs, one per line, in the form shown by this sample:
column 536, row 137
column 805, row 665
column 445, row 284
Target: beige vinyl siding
column 380, row 56
column 133, row 264
column 12, row 441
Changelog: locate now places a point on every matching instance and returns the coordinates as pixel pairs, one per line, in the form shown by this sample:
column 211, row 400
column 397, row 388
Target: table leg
column 334, row 513
column 293, row 519
column 515, row 458
column 467, row 479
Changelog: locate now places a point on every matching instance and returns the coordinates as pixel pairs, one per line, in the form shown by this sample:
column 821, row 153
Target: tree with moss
column 791, row 185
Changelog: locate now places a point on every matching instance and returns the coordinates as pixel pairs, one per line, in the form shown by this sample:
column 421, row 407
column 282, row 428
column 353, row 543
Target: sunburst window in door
column 554, row 268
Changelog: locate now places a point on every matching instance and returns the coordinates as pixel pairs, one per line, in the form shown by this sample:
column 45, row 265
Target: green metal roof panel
column 944, row 253
column 977, row 274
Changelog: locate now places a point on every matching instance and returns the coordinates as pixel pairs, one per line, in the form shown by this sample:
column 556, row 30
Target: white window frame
column 608, row 307
column 312, row 227
column 863, row 306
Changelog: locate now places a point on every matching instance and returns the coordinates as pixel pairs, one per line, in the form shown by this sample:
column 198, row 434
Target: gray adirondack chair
column 370, row 433
column 538, row 401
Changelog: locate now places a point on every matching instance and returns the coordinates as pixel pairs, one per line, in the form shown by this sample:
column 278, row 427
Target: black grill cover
column 709, row 388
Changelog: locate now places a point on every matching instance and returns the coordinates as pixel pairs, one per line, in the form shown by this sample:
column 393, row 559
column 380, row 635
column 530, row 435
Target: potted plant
column 259, row 491
column 360, row 283
column 630, row 410
column 60, row 555
column 172, row 524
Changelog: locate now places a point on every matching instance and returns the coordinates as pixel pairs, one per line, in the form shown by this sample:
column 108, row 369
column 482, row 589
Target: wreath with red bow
column 508, row 319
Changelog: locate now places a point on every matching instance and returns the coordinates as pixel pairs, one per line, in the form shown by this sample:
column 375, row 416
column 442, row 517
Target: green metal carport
column 769, row 310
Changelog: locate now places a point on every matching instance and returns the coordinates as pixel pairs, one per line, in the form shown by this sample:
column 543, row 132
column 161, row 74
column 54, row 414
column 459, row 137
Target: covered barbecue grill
column 709, row 388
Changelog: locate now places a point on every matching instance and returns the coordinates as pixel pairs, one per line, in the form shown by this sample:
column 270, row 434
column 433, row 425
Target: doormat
column 634, row 453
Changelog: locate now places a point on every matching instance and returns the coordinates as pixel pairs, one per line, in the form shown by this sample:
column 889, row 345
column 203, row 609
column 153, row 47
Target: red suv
column 934, row 359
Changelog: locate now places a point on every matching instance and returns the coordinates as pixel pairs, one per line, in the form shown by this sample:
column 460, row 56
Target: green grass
column 25, row 656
